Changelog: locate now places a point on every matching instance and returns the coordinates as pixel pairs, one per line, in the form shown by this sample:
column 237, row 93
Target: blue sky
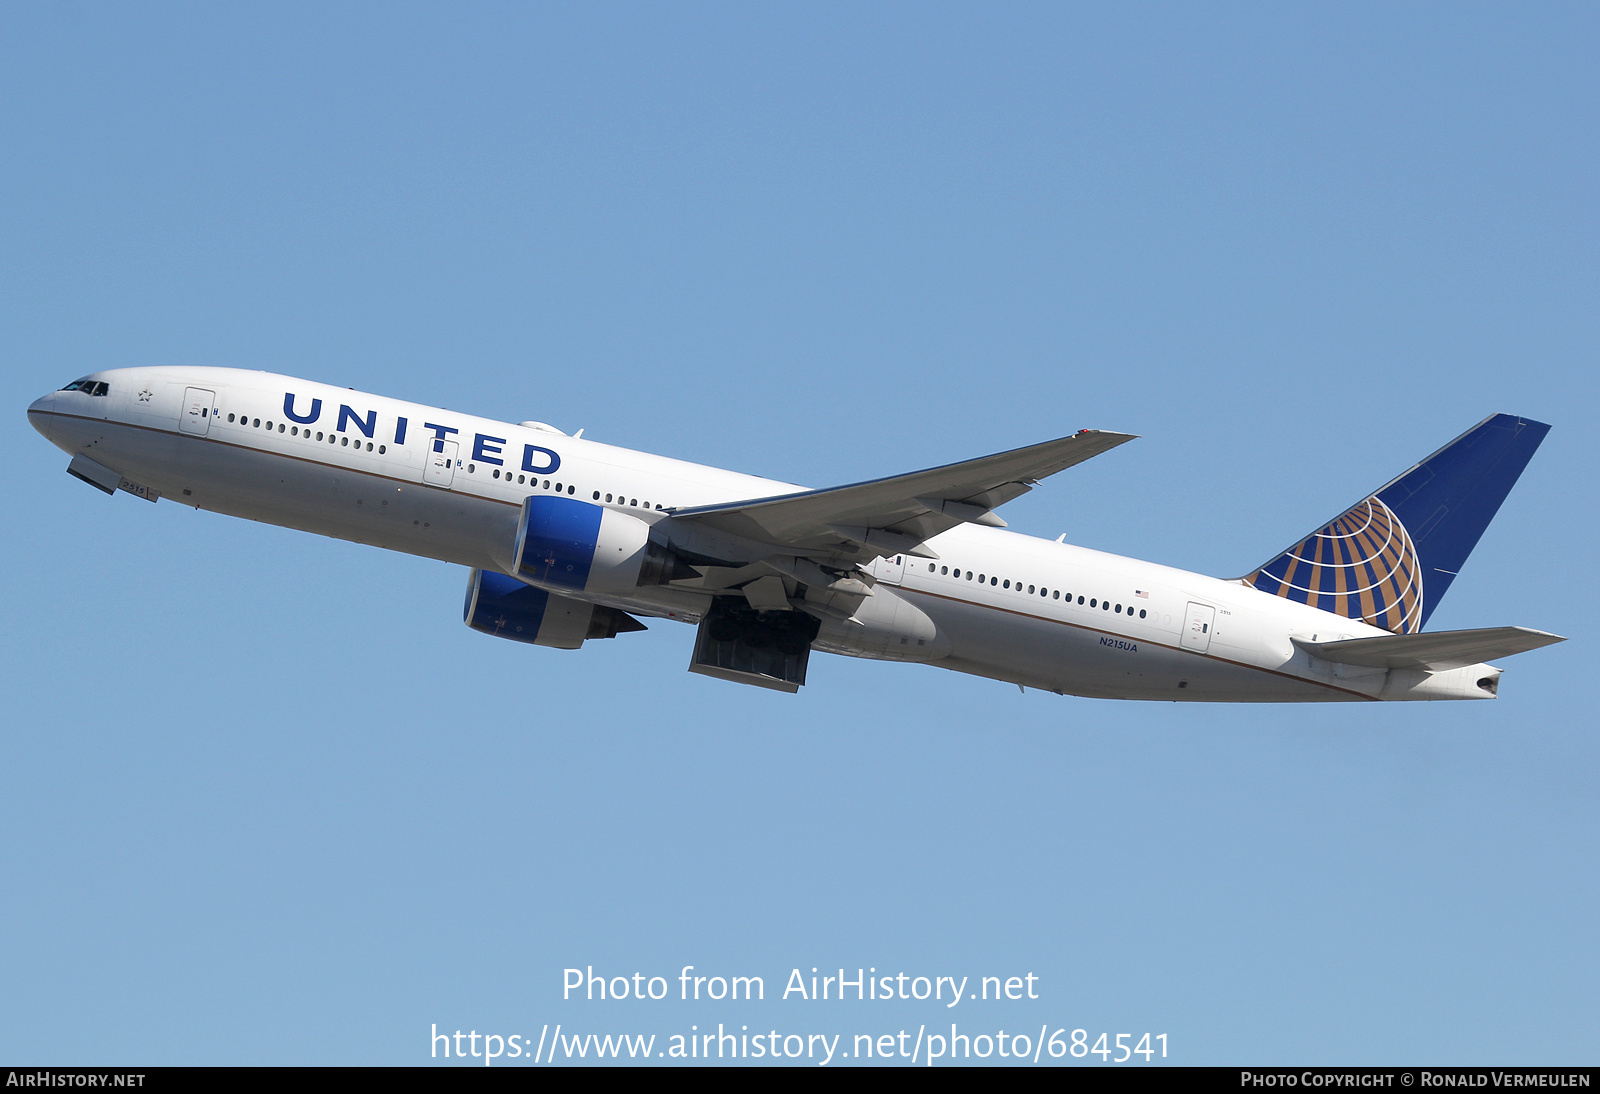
column 267, row 801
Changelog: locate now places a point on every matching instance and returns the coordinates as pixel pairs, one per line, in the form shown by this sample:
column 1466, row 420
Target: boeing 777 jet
column 569, row 540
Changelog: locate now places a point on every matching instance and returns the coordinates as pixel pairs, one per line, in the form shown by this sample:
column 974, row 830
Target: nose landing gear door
column 440, row 467
column 199, row 405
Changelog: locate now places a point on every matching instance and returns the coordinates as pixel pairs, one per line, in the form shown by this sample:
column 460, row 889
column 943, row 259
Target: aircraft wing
column 896, row 514
column 1431, row 649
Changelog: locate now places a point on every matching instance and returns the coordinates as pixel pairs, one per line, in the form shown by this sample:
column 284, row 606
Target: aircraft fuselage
column 450, row 486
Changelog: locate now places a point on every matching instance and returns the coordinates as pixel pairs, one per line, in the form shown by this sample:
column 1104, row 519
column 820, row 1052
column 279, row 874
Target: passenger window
column 1056, row 595
column 633, row 502
column 345, row 441
column 257, row 424
column 230, row 417
column 597, row 493
column 1141, row 613
column 994, row 581
column 496, row 474
column 319, row 435
column 382, row 448
column 945, row 570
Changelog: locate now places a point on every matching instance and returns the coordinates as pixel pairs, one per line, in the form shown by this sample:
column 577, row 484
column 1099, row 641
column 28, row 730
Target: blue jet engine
column 564, row 544
column 508, row 608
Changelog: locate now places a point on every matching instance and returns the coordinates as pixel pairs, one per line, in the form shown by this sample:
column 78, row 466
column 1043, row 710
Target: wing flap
column 1435, row 650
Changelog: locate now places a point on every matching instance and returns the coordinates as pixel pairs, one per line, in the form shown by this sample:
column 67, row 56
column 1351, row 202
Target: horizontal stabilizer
column 1435, row 650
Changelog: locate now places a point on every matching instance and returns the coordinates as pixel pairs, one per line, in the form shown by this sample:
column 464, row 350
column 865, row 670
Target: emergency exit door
column 195, row 414
column 1198, row 624
column 891, row 570
column 440, row 468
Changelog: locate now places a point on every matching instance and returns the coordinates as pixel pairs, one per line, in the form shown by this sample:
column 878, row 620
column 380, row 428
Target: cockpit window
column 89, row 387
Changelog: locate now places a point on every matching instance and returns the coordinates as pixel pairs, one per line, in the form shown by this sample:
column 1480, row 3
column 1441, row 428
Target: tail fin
column 1389, row 559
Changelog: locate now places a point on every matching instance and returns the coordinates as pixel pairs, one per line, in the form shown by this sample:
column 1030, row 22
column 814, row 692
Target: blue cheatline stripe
column 558, row 540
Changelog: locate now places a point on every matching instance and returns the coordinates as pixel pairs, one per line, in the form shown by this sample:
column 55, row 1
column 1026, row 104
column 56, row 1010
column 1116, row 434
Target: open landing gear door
column 769, row 649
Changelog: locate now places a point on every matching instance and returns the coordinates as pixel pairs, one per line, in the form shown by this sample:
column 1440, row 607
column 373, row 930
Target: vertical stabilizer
column 1389, row 559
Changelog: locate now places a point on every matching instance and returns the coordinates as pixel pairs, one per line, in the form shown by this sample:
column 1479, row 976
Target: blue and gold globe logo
column 1361, row 565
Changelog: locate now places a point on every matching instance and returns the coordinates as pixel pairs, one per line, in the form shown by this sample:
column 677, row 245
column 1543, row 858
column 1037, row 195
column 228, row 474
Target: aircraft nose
column 39, row 412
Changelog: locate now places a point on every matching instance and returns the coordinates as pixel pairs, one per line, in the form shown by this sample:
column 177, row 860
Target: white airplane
column 569, row 539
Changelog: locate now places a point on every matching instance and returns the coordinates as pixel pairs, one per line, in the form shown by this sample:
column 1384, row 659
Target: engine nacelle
column 567, row 544
column 508, row 608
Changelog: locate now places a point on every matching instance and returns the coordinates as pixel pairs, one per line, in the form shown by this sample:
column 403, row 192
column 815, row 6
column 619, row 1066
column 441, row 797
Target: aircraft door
column 198, row 406
column 1199, row 623
column 890, row 570
column 440, row 468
